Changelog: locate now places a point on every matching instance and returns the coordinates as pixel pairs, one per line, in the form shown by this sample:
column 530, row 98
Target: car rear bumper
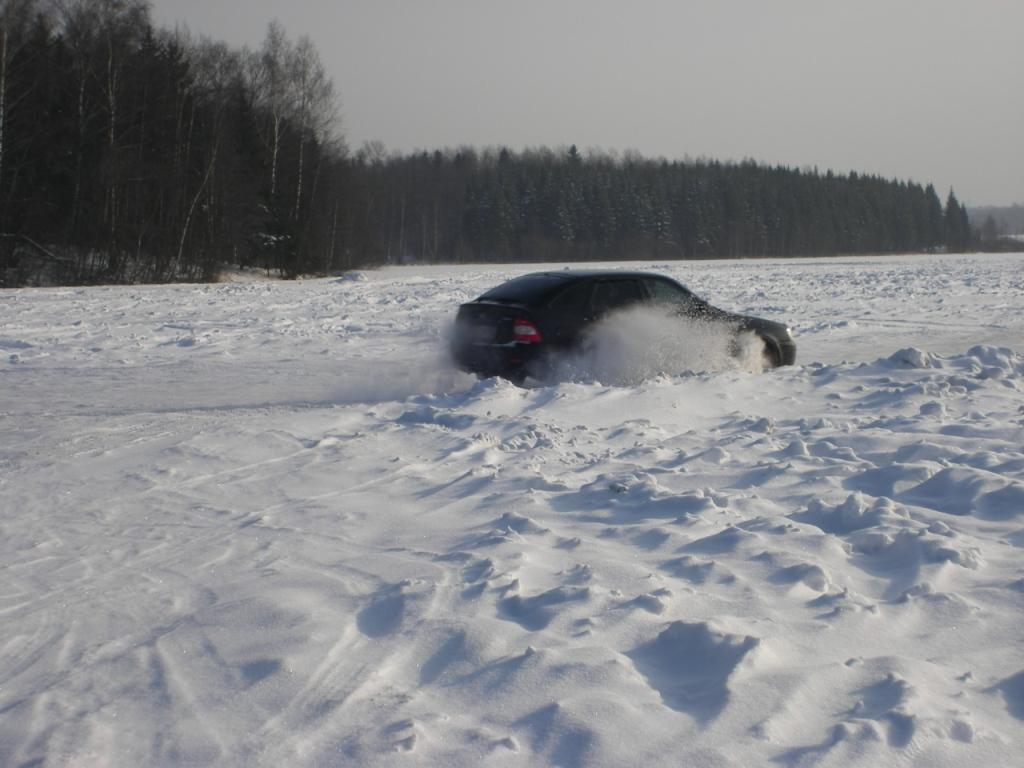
column 511, row 360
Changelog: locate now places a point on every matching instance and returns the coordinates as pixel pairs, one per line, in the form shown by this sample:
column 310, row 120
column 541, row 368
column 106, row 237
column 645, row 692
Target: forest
column 131, row 153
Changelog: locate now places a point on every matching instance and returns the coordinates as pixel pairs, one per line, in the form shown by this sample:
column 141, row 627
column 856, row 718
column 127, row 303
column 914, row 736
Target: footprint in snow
column 690, row 666
column 537, row 612
column 886, row 703
column 510, row 521
column 807, row 574
column 1012, row 690
column 697, row 571
column 726, row 540
column 382, row 616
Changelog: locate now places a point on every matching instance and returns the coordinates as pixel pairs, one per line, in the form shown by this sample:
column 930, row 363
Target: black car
column 517, row 328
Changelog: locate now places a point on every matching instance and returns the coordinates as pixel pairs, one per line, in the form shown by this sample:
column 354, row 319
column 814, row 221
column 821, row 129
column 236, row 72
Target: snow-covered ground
column 265, row 524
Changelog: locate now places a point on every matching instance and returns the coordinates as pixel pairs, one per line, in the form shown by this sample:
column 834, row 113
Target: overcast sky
column 929, row 90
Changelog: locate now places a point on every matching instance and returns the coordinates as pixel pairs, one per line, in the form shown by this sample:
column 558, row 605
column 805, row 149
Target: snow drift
column 259, row 524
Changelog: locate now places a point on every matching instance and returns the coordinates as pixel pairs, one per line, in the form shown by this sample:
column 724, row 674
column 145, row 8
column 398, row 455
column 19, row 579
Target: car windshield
column 528, row 289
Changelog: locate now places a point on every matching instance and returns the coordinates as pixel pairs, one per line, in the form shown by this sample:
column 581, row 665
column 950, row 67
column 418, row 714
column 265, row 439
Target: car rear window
column 528, row 289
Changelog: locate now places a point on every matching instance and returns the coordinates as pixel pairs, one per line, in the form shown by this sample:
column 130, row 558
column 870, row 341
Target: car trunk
column 487, row 322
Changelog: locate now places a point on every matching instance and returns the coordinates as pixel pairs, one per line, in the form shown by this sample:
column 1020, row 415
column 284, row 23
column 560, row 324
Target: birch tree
column 101, row 35
column 268, row 73
column 315, row 108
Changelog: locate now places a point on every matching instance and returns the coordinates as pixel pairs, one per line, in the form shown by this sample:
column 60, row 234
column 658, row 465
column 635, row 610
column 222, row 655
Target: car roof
column 540, row 286
column 576, row 274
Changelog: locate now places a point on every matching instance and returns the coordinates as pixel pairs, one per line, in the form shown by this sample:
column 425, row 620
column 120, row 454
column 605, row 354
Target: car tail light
column 525, row 332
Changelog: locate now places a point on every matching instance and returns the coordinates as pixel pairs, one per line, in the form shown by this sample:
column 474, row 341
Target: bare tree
column 316, row 111
column 121, row 24
column 15, row 16
column 215, row 67
column 79, row 24
column 270, row 84
column 4, row 44
column 101, row 34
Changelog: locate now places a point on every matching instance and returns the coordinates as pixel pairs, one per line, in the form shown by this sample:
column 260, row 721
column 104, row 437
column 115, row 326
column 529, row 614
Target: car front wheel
column 770, row 357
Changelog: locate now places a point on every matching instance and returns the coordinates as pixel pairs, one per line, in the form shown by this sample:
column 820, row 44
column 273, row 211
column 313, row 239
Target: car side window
column 665, row 293
column 610, row 295
column 573, row 299
column 662, row 292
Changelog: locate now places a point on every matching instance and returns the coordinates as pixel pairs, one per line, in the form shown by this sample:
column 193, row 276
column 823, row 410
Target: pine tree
column 958, row 228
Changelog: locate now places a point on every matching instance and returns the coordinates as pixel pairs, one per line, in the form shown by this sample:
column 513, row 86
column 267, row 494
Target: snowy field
column 265, row 524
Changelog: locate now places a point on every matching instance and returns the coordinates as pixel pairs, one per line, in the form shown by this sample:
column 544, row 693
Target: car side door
column 568, row 313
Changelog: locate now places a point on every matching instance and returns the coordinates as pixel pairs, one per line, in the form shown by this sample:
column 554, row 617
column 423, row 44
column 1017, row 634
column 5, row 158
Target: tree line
column 131, row 153
column 998, row 227
column 557, row 205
